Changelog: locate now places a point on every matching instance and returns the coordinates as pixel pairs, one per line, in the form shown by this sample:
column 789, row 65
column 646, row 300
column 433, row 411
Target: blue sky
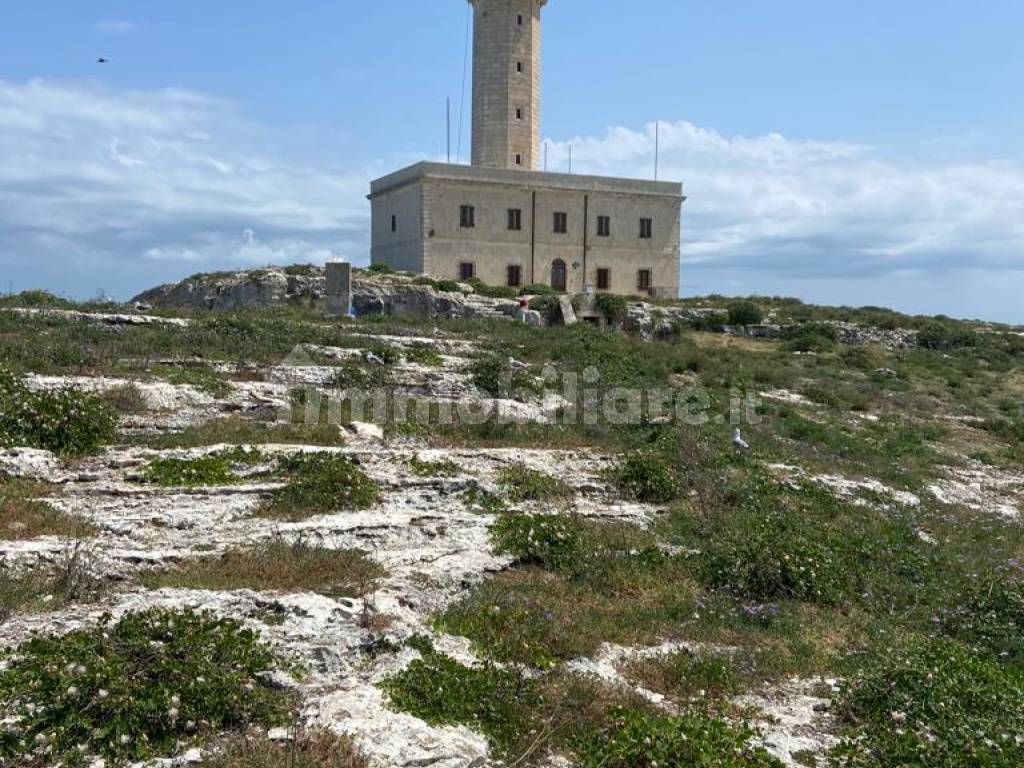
column 859, row 153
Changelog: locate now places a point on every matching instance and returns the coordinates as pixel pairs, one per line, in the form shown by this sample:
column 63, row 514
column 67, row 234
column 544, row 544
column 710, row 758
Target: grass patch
column 237, row 430
column 640, row 739
column 126, row 399
column 521, row 484
column 135, row 689
column 441, row 691
column 421, row 468
column 201, row 377
column 321, row 483
column 549, row 541
column 312, row 749
column 277, row 566
column 23, row 515
column 214, row 469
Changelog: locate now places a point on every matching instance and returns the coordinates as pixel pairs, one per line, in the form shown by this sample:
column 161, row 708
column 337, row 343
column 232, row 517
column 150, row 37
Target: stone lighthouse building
column 505, row 221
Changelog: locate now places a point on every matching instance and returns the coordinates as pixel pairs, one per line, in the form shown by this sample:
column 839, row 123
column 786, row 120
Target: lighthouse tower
column 506, row 83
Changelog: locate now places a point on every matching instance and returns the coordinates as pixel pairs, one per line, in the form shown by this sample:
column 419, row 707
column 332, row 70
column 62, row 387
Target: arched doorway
column 558, row 275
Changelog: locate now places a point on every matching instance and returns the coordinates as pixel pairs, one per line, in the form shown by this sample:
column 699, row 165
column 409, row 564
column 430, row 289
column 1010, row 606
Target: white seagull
column 738, row 441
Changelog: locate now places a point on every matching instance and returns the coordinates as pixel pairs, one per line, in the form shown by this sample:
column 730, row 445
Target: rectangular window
column 604, row 226
column 604, row 279
column 519, row 159
column 467, row 217
column 519, row 19
column 515, row 276
column 515, row 219
column 467, row 271
column 394, row 223
column 646, row 228
column 561, row 223
column 519, row 67
column 519, row 114
column 643, row 279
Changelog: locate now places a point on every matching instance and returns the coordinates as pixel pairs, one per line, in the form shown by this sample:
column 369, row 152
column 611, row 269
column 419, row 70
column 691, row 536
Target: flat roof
column 534, row 179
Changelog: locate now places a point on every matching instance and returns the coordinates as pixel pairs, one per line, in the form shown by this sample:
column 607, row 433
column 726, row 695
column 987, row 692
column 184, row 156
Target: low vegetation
column 277, row 565
column 213, row 469
column 932, row 703
column 135, row 689
column 423, row 468
column 521, row 484
column 313, row 749
column 65, row 421
column 320, row 483
column 25, row 515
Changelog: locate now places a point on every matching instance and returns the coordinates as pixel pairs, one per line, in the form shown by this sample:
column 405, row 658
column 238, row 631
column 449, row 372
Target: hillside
column 432, row 536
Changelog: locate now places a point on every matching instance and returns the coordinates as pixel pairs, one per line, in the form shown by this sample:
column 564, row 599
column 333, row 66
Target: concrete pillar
column 339, row 288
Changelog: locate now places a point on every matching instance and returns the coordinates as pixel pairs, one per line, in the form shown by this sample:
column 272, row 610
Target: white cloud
column 820, row 208
column 118, row 26
column 124, row 178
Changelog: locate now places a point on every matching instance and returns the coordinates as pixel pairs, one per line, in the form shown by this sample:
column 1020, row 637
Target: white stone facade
column 513, row 234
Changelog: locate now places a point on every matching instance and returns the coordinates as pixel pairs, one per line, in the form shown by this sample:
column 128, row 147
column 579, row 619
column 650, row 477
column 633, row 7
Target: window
column 394, row 223
column 519, row 67
column 604, row 279
column 561, row 223
column 604, row 226
column 519, row 159
column 519, row 114
column 515, row 218
column 467, row 217
column 643, row 280
column 515, row 276
column 519, row 20
column 646, row 228
column 467, row 271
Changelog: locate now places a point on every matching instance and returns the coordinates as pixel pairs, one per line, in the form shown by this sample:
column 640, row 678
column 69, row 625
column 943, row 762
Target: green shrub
column 548, row 541
column 135, row 689
column 200, row 471
column 380, row 269
column 126, row 399
column 201, row 377
column 946, row 336
column 537, row 289
column 987, row 612
column 932, row 704
column 745, row 313
column 612, row 307
column 446, row 468
column 549, row 308
column 781, row 542
column 520, row 484
column 714, row 322
column 65, row 421
column 495, row 376
column 493, row 291
column 423, row 354
column 639, row 739
column 33, row 299
column 321, row 483
column 810, row 337
column 440, row 691
column 646, row 477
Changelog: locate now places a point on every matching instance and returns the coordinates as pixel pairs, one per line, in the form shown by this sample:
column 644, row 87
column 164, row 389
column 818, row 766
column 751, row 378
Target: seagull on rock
column 738, row 441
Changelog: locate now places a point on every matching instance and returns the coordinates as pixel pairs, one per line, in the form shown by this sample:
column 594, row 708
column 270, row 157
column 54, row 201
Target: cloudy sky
column 854, row 153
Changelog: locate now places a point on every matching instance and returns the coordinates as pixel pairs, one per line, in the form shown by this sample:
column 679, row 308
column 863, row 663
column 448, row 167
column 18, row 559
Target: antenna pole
column 657, row 147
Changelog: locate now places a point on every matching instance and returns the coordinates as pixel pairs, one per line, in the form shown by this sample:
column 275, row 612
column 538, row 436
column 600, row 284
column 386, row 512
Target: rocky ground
column 431, row 541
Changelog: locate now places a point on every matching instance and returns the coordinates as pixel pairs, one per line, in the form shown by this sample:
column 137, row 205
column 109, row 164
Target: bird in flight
column 102, row 60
